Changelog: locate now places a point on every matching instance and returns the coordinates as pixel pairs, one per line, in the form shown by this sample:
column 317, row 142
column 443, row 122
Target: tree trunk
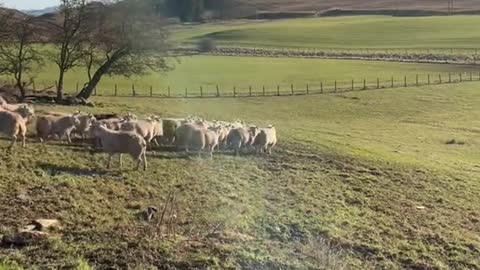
column 87, row 90
column 60, row 86
column 20, row 87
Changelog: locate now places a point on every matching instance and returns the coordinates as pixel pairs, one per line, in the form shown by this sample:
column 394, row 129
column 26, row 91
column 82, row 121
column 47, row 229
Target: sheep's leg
column 109, row 161
column 120, row 160
column 14, row 141
column 156, row 141
column 69, row 139
column 24, row 138
column 145, row 160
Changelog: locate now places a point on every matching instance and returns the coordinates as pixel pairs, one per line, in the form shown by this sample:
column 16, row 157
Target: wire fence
column 320, row 87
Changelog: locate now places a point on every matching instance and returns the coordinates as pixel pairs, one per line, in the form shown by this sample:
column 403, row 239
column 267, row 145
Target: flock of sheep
column 130, row 135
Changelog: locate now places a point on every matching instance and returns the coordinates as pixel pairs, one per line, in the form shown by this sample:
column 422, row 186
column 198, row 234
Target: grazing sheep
column 149, row 129
column 239, row 138
column 48, row 125
column 157, row 131
column 223, row 131
column 212, row 139
column 122, row 142
column 266, row 140
column 84, row 125
column 14, row 124
column 190, row 136
column 170, row 126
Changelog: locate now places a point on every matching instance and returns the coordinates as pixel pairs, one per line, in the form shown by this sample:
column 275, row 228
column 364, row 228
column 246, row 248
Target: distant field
column 242, row 72
column 345, row 32
column 373, row 172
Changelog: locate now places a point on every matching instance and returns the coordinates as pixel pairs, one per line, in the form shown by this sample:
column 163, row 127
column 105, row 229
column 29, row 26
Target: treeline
column 125, row 38
column 196, row 10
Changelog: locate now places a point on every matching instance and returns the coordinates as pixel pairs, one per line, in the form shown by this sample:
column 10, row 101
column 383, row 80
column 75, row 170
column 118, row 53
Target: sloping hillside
column 250, row 7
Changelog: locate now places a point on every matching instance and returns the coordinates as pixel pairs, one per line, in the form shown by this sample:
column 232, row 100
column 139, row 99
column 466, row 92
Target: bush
column 206, row 45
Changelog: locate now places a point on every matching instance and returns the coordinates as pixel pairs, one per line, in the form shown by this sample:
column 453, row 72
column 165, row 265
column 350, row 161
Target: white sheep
column 149, row 129
column 239, row 138
column 14, row 124
column 62, row 126
column 122, row 142
column 266, row 140
column 170, row 126
column 84, row 125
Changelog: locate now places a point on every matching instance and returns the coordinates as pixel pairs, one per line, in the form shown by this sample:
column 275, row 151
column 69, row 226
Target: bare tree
column 68, row 37
column 129, row 38
column 19, row 55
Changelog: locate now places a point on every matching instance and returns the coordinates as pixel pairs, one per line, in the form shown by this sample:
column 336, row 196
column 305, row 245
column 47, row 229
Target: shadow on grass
column 55, row 169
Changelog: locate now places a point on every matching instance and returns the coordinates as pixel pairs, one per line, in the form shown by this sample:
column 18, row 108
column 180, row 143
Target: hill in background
column 40, row 12
column 245, row 8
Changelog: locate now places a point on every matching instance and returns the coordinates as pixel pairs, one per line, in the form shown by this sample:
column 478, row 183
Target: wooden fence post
column 416, row 80
column 186, row 92
column 201, row 91
column 250, row 90
column 364, row 84
column 405, row 81
column 291, row 87
column 308, row 90
column 335, row 86
column 440, row 78
column 278, row 90
column 263, row 88
column 461, row 77
column 391, row 82
column 151, row 91
column 321, row 87
column 449, row 77
column 471, row 78
column 428, row 79
column 353, row 85
column 378, row 83
column 133, row 90
column 116, row 89
column 234, row 91
column 218, row 91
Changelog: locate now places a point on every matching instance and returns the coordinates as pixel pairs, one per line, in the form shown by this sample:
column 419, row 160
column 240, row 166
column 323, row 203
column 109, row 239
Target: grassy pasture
column 352, row 168
column 241, row 72
column 374, row 32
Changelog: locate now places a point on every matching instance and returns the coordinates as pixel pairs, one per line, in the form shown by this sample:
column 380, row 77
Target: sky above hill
column 29, row 4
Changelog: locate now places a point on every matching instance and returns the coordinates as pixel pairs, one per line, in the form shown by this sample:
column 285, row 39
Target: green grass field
column 369, row 171
column 353, row 32
column 241, row 72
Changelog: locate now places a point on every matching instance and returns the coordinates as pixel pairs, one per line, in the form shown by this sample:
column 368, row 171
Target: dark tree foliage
column 18, row 54
column 126, row 38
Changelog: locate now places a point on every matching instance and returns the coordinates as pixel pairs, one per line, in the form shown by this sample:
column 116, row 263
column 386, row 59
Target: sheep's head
column 25, row 111
column 75, row 120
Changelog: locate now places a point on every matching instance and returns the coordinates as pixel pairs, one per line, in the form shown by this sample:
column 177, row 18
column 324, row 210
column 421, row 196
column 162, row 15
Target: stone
column 44, row 224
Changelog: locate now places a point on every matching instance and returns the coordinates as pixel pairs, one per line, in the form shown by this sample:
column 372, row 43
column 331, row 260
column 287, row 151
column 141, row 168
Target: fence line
column 322, row 87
